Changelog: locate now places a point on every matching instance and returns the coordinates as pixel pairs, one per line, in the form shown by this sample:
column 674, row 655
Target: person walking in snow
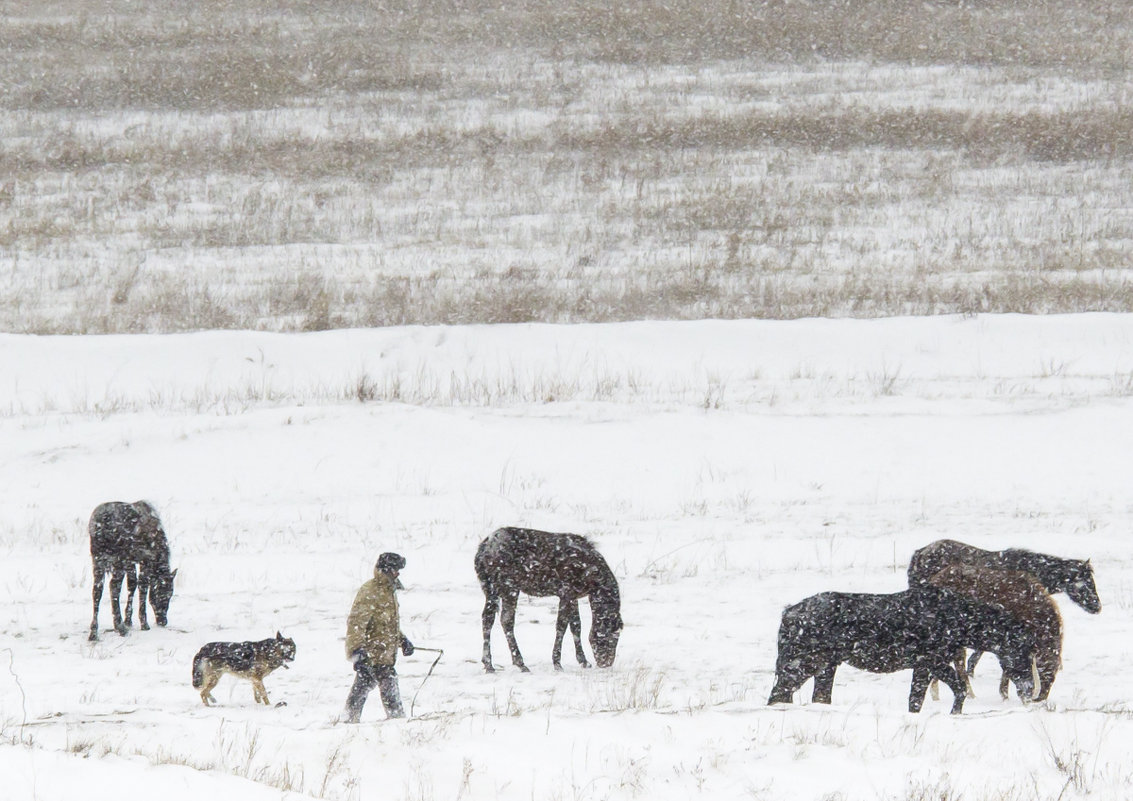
column 373, row 637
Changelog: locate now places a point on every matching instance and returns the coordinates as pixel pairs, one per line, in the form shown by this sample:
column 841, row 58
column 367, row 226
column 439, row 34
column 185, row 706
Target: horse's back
column 534, row 562
column 926, row 562
column 126, row 530
column 110, row 525
column 876, row 632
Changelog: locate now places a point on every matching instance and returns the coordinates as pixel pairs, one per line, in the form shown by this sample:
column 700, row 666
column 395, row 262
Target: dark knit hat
column 390, row 561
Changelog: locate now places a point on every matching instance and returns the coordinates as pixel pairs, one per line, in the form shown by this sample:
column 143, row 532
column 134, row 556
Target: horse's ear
column 278, row 636
column 174, row 573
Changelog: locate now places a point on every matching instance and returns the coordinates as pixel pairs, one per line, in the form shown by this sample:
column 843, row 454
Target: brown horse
column 1022, row 596
column 515, row 560
column 1075, row 577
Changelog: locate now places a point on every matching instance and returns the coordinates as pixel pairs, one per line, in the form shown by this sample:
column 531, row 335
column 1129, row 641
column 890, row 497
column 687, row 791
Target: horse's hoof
column 524, row 668
column 93, row 636
column 145, row 627
column 558, row 668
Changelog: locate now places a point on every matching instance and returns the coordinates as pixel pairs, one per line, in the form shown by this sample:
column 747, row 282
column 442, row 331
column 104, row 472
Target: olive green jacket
column 373, row 624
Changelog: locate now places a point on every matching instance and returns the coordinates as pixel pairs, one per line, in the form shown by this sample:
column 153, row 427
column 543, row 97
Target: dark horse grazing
column 1075, row 577
column 920, row 629
column 123, row 535
column 515, row 560
column 1022, row 596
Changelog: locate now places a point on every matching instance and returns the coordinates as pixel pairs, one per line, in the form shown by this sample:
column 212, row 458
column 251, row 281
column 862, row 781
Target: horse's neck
column 156, row 560
column 605, row 594
column 1044, row 568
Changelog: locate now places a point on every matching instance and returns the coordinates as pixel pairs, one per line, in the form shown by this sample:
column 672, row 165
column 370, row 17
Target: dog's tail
column 198, row 669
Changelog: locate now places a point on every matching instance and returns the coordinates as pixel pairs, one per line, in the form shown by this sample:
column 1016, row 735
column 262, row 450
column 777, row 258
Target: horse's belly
column 880, row 658
column 541, row 589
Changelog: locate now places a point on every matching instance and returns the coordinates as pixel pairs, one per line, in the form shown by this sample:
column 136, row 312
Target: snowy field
column 725, row 469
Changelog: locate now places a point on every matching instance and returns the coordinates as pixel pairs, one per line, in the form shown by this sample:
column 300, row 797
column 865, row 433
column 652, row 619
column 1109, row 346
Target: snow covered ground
column 725, row 469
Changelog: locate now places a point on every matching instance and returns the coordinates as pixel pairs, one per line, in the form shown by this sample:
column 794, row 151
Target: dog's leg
column 260, row 691
column 210, row 682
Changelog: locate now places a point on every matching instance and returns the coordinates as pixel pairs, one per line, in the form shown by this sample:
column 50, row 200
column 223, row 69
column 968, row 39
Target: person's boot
column 356, row 700
column 391, row 696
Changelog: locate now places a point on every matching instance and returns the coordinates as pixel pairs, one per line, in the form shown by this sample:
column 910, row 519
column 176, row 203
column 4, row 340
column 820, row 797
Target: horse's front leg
column 919, row 687
column 576, row 631
column 824, row 684
column 487, row 620
column 115, row 604
column 143, row 598
column 561, row 623
column 131, row 586
column 96, row 597
column 507, row 620
column 945, row 672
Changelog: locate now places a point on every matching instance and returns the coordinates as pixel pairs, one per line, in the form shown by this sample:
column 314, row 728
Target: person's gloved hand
column 358, row 656
column 406, row 646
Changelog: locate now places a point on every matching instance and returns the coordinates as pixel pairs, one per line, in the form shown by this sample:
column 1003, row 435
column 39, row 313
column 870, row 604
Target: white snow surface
column 725, row 469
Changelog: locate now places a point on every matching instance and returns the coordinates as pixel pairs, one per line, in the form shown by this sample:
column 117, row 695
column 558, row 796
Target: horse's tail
column 198, row 669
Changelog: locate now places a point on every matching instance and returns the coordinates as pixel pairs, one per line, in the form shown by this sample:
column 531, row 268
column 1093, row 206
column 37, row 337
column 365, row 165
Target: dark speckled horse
column 515, row 560
column 128, row 542
column 921, row 628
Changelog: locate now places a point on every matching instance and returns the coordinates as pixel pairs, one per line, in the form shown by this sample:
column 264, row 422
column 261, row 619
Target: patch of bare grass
column 289, row 167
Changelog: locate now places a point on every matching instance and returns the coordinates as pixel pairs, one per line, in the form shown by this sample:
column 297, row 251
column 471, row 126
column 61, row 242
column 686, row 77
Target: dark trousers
column 367, row 676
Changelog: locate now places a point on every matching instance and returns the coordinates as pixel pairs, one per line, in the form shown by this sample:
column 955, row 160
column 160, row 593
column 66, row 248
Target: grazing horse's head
column 604, row 633
column 161, row 593
column 1079, row 585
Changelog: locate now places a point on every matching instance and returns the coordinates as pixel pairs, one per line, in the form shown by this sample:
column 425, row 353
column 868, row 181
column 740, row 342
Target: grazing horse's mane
column 1052, row 571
